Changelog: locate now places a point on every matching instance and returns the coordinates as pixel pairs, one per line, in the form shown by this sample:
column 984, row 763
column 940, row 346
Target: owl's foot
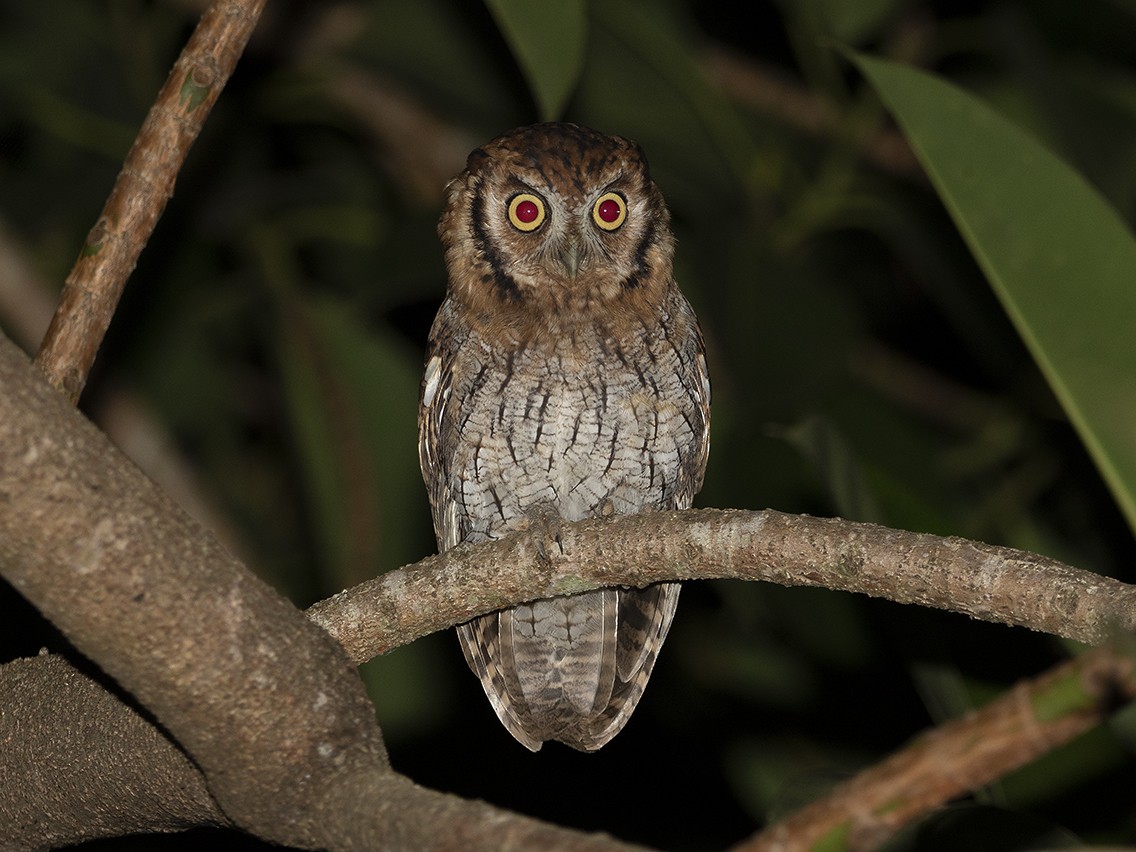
column 546, row 527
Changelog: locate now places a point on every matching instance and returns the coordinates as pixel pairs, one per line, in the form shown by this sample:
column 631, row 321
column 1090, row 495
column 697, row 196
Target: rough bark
column 263, row 701
column 79, row 762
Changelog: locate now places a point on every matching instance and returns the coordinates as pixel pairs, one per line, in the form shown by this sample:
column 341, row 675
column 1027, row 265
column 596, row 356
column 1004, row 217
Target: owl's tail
column 572, row 668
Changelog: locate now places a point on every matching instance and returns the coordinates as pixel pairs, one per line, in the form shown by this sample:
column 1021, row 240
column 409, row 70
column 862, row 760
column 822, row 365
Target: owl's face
column 554, row 222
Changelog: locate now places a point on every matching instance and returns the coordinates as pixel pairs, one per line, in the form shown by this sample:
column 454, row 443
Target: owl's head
column 556, row 221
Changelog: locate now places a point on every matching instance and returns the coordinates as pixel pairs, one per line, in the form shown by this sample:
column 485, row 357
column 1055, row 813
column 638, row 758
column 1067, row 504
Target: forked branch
column 91, row 543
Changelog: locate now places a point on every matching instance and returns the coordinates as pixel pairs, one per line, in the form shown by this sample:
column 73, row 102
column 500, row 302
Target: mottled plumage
column 565, row 377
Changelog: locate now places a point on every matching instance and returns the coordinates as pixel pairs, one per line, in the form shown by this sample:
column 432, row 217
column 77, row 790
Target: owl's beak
column 570, row 257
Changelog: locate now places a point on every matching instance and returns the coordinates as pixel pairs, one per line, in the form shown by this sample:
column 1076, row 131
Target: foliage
column 1058, row 256
column 862, row 364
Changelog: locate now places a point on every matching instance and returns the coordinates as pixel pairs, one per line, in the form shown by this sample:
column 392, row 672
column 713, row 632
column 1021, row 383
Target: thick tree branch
column 260, row 698
column 265, row 705
column 109, row 559
column 78, row 763
column 144, row 185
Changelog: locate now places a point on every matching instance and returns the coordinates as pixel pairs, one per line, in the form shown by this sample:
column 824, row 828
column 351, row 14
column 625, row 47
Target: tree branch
column 998, row 584
column 132, row 778
column 144, row 185
column 1033, row 718
column 259, row 697
column 266, row 706
column 296, row 757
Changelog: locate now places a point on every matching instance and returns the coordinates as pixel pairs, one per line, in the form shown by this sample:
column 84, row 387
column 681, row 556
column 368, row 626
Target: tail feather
column 570, row 669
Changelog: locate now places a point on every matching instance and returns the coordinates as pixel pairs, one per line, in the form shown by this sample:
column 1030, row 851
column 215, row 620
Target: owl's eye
column 526, row 211
column 609, row 211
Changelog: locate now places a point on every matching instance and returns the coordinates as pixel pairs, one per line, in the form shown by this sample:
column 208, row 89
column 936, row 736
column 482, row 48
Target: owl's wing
column 480, row 643
column 645, row 616
column 437, row 385
column 542, row 677
column 692, row 466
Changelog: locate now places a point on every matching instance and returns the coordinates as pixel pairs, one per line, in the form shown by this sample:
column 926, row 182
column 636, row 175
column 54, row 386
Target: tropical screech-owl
column 565, row 377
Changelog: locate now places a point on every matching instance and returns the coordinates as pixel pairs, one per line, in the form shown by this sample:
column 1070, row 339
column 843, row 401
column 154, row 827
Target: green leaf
column 853, row 23
column 827, row 450
column 352, row 395
column 547, row 37
column 1057, row 255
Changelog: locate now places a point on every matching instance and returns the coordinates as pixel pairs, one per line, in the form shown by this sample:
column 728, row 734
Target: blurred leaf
column 438, row 48
column 853, row 23
column 981, row 828
column 827, row 450
column 777, row 776
column 79, row 126
column 943, row 688
column 1094, row 754
column 352, row 394
column 1059, row 257
column 409, row 687
column 641, row 57
column 547, row 37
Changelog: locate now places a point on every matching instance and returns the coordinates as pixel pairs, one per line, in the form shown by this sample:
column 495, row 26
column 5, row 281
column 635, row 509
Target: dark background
column 272, row 336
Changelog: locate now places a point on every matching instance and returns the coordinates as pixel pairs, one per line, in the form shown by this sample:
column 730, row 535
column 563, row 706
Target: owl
column 565, row 378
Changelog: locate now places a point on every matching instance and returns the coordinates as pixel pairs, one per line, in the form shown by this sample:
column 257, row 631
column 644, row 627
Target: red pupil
column 527, row 212
column 609, row 210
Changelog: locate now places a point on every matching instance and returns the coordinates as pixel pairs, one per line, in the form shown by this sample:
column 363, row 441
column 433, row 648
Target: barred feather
column 565, row 376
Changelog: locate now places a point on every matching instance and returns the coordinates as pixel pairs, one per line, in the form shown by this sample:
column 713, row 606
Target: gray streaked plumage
column 565, row 377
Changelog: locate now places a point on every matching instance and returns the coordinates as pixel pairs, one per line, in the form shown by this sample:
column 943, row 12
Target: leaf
column 641, row 54
column 853, row 23
column 1058, row 256
column 351, row 395
column 547, row 37
column 446, row 61
column 834, row 461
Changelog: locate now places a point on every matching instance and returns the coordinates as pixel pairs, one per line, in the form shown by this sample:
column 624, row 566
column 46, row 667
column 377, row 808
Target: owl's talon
column 546, row 527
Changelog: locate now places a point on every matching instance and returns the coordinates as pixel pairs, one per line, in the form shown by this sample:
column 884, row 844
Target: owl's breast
column 582, row 430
